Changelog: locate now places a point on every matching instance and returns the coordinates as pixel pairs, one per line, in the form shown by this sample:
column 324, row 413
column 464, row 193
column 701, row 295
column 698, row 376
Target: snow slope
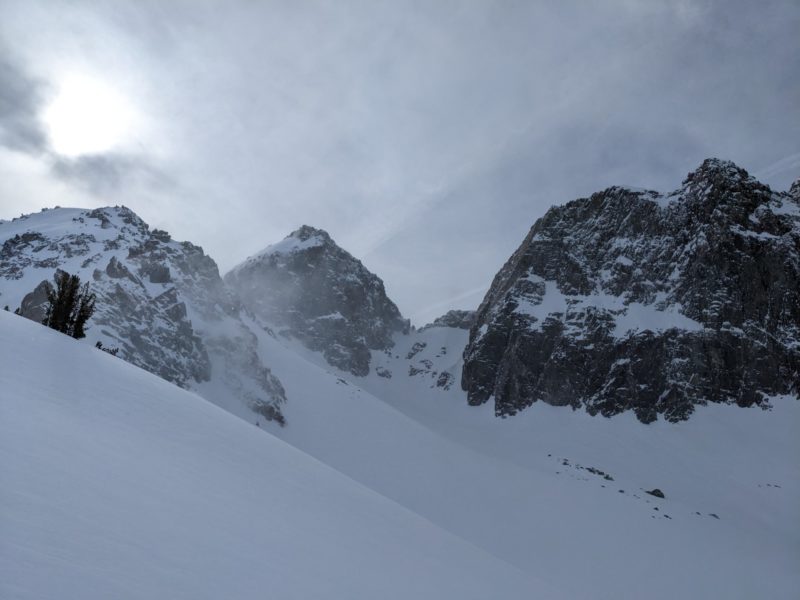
column 521, row 488
column 117, row 484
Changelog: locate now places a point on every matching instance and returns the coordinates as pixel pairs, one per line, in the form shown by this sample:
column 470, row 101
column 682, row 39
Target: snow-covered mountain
column 560, row 494
column 310, row 289
column 117, row 484
column 633, row 300
column 549, row 499
column 161, row 302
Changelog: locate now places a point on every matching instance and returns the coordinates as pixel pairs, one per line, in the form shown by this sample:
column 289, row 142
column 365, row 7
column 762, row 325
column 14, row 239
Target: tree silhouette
column 70, row 305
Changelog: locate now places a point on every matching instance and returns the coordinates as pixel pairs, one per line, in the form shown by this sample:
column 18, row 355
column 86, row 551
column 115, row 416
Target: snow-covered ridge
column 302, row 239
column 308, row 288
column 161, row 302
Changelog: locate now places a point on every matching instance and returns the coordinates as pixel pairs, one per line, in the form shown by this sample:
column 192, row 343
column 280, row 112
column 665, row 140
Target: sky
column 425, row 137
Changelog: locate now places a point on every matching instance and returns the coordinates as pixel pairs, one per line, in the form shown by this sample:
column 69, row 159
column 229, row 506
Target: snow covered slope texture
column 633, row 300
column 559, row 494
column 117, row 484
column 161, row 302
column 310, row 289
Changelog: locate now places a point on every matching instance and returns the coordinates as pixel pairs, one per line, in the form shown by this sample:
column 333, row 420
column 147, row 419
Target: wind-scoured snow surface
column 532, row 489
column 117, row 484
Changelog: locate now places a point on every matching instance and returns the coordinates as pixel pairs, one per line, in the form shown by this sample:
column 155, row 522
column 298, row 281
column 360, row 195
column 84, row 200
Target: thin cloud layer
column 425, row 136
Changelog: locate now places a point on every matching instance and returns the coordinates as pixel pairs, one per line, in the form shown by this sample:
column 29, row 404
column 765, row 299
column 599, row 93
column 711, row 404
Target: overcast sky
column 426, row 137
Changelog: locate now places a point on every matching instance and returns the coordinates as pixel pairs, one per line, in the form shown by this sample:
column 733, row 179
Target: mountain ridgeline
column 628, row 300
column 161, row 302
column 633, row 300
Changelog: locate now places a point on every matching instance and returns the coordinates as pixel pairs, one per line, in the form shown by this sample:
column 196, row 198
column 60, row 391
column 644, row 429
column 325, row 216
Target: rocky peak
column 720, row 192
column 716, row 171
column 306, row 232
column 310, row 289
column 161, row 302
column 635, row 300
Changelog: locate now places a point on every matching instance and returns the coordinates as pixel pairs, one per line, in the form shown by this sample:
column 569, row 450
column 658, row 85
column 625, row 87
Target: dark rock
column 34, row 305
column 116, row 270
column 157, row 273
column 445, row 380
column 655, row 492
column 415, row 349
column 630, row 300
column 314, row 291
column 458, row 319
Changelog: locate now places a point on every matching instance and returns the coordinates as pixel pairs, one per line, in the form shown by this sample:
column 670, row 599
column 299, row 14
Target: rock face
column 161, row 302
column 458, row 319
column 309, row 288
column 34, row 305
column 632, row 300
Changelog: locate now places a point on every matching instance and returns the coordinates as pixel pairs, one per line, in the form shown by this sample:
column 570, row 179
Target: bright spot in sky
column 88, row 116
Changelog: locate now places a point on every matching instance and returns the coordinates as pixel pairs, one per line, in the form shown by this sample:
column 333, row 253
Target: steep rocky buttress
column 308, row 288
column 633, row 300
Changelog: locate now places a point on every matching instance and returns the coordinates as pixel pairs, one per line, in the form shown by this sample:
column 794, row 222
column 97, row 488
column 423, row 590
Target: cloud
column 107, row 175
column 426, row 137
column 21, row 98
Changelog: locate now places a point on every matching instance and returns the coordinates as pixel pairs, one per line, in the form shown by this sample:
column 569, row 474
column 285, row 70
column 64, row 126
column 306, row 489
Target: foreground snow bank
column 116, row 484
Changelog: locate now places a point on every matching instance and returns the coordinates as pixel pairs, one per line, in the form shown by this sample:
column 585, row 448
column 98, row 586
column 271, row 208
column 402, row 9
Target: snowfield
column 522, row 487
column 117, row 484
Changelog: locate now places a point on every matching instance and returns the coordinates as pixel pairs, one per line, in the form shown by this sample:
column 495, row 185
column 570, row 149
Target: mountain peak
column 306, row 232
column 161, row 302
column 311, row 289
column 649, row 303
column 717, row 171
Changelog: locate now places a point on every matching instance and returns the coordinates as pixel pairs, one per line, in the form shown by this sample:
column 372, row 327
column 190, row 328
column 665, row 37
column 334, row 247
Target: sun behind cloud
column 88, row 116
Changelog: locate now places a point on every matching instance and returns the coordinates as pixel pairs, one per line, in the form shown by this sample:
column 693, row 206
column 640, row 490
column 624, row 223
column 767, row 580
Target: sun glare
column 88, row 116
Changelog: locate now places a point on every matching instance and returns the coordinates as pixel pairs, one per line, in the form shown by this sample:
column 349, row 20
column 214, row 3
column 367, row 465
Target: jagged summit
column 303, row 238
column 719, row 169
column 309, row 236
column 309, row 288
column 305, row 232
column 161, row 302
column 634, row 300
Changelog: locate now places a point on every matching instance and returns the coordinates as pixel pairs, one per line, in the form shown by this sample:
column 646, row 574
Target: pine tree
column 69, row 305
column 83, row 309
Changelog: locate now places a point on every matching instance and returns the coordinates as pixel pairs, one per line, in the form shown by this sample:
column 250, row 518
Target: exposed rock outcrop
column 633, row 300
column 308, row 288
column 458, row 319
column 161, row 302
